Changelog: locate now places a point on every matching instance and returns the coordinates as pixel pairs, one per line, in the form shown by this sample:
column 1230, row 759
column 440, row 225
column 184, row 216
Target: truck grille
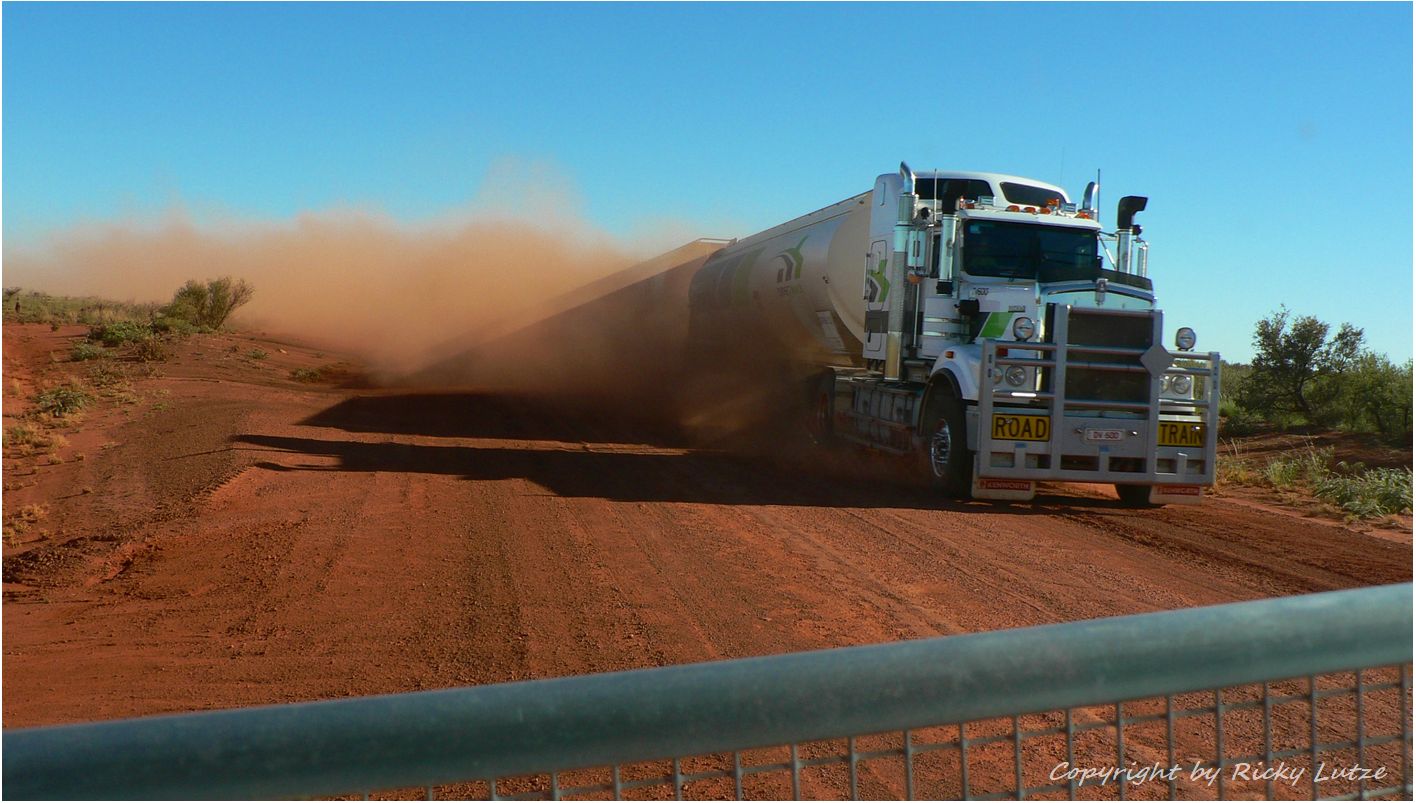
column 1085, row 328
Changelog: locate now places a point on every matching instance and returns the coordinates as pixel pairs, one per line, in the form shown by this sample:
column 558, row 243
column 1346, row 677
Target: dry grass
column 1312, row 472
column 23, row 520
column 24, row 440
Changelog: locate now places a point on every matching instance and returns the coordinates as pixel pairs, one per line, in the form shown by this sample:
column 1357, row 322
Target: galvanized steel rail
column 493, row 732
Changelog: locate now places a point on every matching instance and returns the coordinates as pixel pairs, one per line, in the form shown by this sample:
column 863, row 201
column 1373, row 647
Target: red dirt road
column 236, row 538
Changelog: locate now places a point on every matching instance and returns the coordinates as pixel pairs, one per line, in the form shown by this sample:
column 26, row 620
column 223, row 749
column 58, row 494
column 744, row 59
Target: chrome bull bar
column 1006, row 466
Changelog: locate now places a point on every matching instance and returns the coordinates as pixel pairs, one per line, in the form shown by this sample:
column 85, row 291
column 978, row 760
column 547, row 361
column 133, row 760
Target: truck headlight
column 1185, row 338
column 1016, row 375
column 1180, row 385
column 1023, row 328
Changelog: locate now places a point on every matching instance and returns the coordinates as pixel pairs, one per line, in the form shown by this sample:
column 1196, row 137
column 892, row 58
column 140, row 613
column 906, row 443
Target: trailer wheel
column 1135, row 495
column 947, row 463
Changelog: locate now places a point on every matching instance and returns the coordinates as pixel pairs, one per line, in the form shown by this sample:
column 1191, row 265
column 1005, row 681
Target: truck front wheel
column 947, row 462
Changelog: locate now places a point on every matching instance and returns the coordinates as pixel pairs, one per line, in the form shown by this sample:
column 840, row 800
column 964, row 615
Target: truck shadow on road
column 497, row 415
column 602, row 471
column 576, row 450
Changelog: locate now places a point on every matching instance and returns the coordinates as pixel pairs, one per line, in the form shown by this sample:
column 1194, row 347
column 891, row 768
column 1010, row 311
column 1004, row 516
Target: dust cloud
column 347, row 280
column 493, row 298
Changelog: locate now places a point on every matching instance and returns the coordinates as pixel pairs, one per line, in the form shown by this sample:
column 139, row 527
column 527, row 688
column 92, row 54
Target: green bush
column 84, row 350
column 150, row 349
column 106, row 374
column 1236, row 421
column 166, row 324
column 63, row 400
column 119, row 332
column 305, row 375
column 206, row 306
column 257, row 354
column 1372, row 395
column 1377, row 492
column 1307, row 467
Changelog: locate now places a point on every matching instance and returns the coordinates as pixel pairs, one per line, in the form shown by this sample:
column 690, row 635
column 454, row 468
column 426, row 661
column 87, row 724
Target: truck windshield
column 1028, row 251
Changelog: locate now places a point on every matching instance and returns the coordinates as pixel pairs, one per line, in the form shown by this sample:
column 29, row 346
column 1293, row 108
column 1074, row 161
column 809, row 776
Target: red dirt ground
column 232, row 537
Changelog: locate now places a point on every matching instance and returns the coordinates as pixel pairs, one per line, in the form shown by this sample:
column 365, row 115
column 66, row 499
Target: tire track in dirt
column 1274, row 554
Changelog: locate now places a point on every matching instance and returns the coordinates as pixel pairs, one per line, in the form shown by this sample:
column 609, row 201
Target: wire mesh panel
column 1293, row 698
column 1338, row 736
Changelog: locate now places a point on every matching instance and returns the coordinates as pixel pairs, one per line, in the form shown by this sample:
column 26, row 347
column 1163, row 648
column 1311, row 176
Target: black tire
column 1135, row 495
column 947, row 462
column 821, row 409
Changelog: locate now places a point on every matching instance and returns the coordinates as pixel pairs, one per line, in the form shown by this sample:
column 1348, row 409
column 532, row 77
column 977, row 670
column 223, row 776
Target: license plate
column 1021, row 427
column 1181, row 433
column 1104, row 435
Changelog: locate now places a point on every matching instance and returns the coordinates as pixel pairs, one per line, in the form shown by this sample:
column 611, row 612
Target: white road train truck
column 982, row 324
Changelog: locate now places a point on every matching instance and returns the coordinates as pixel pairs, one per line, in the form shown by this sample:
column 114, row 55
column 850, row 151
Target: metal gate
column 1297, row 697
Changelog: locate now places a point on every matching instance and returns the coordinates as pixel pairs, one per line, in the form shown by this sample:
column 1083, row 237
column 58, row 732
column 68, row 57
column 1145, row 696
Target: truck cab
column 1037, row 340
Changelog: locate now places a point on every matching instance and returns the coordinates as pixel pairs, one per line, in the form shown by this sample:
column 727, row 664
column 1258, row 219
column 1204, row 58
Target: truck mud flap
column 1177, row 494
column 1005, row 489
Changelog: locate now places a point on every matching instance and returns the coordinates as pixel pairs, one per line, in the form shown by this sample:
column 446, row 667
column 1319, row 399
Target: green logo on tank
column 791, row 262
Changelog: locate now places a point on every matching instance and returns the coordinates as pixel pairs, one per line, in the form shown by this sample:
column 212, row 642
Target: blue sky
column 1273, row 140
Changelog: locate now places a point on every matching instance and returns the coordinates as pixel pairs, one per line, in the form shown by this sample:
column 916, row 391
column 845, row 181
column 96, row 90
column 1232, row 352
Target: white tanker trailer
column 982, row 323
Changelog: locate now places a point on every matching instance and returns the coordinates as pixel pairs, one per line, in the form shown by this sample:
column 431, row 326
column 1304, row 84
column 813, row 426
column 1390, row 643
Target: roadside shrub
column 337, row 373
column 61, row 401
column 257, row 354
column 84, row 350
column 1308, row 466
column 106, row 374
column 1377, row 492
column 166, row 324
column 23, row 440
column 1372, row 395
column 117, row 333
column 1233, row 469
column 150, row 349
column 1236, row 421
column 208, row 305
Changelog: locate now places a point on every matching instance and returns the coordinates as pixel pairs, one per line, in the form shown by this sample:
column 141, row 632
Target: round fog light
column 1180, row 385
column 1185, row 338
column 1015, row 375
column 1023, row 328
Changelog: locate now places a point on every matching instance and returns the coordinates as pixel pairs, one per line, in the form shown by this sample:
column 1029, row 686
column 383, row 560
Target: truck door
column 939, row 325
column 877, row 300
